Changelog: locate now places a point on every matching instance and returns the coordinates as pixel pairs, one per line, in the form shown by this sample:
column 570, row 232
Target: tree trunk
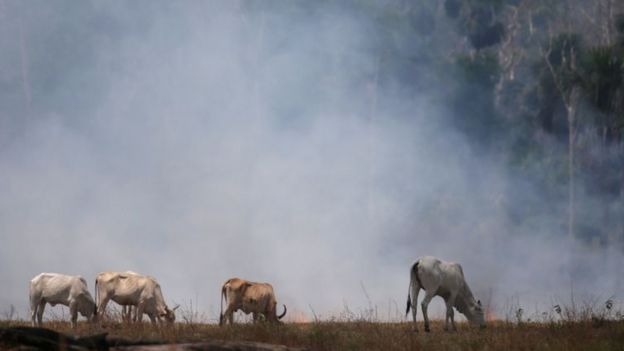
column 571, row 108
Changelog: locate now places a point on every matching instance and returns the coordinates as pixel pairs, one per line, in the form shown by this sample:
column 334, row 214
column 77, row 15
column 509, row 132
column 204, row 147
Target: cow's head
column 87, row 308
column 475, row 314
column 272, row 315
column 169, row 314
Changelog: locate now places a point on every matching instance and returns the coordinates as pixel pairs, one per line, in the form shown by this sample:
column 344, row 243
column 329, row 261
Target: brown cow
column 255, row 298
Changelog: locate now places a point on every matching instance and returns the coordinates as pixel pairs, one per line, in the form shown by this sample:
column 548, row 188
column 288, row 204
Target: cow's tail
column 222, row 297
column 96, row 293
column 413, row 275
column 283, row 314
column 97, row 302
column 30, row 296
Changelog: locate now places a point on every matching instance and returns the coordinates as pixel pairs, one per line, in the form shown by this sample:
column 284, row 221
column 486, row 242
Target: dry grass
column 364, row 335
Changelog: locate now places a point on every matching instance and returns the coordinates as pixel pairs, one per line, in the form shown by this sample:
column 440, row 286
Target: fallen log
column 47, row 339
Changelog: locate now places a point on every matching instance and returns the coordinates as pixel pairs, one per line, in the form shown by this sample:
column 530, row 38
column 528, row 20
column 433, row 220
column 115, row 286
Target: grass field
column 364, row 335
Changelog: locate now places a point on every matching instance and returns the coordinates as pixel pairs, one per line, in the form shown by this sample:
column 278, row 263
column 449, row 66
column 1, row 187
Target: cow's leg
column 126, row 313
column 453, row 319
column 133, row 313
column 101, row 309
column 33, row 311
column 414, row 291
column 229, row 314
column 425, row 303
column 255, row 317
column 34, row 305
column 139, row 313
column 135, row 316
column 40, row 309
column 73, row 312
column 450, row 314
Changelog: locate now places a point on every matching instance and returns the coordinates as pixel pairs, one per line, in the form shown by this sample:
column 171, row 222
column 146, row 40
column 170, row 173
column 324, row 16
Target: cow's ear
column 479, row 302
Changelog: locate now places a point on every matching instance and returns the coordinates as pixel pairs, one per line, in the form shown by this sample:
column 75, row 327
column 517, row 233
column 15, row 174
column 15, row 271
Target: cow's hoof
column 427, row 329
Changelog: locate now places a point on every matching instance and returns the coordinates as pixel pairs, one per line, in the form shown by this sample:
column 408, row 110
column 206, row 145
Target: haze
column 201, row 140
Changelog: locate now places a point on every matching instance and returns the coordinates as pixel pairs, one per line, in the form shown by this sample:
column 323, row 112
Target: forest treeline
column 538, row 84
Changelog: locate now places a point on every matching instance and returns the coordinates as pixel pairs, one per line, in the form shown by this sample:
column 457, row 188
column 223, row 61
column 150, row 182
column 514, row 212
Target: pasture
column 590, row 334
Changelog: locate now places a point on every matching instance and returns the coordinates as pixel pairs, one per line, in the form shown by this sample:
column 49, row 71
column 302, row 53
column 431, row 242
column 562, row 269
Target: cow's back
column 235, row 284
column 429, row 271
column 234, row 289
column 434, row 272
column 128, row 283
column 123, row 287
column 54, row 286
column 259, row 297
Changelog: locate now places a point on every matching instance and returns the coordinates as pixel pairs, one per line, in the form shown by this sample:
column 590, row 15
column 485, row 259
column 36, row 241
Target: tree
column 602, row 78
column 561, row 57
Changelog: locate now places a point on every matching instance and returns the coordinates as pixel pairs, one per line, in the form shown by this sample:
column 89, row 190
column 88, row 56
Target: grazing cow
column 54, row 288
column 444, row 279
column 255, row 298
column 132, row 289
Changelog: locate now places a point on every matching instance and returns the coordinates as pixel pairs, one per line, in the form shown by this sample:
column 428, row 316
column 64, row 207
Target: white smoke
column 206, row 140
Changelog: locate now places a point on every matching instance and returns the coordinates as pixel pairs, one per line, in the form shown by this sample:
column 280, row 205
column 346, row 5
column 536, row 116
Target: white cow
column 55, row 288
column 133, row 289
column 127, row 310
column 444, row 279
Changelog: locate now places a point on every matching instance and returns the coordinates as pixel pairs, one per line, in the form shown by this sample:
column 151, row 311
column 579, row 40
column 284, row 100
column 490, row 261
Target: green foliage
column 563, row 54
column 485, row 36
column 477, row 20
column 481, row 70
column 603, row 75
column 472, row 100
column 452, row 8
column 556, row 75
column 619, row 26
